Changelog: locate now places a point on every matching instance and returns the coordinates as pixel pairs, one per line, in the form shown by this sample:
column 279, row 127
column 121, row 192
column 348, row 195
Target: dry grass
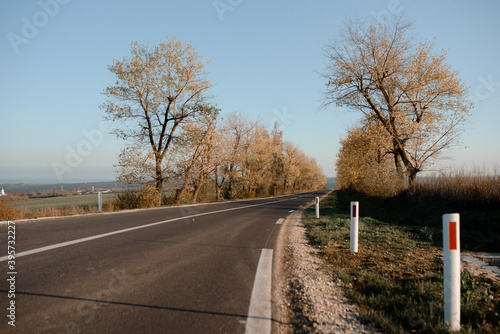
column 475, row 189
column 470, row 190
column 26, row 213
column 7, row 212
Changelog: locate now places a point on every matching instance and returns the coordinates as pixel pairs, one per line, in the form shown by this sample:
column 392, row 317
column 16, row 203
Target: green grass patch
column 397, row 276
column 84, row 201
column 479, row 230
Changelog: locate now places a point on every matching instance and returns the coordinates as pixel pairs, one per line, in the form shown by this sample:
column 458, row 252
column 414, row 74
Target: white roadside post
column 99, row 196
column 354, row 226
column 317, row 207
column 451, row 263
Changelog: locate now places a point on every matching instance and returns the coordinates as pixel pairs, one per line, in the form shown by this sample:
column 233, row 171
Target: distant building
column 2, row 193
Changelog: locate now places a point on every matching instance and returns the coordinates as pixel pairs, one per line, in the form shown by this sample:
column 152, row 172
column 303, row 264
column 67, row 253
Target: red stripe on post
column 452, row 233
column 354, row 211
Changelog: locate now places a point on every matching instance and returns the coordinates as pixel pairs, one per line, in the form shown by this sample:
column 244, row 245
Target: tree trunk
column 198, row 187
column 412, row 175
column 217, row 189
column 159, row 182
column 411, row 170
column 397, row 159
column 230, row 189
column 180, row 192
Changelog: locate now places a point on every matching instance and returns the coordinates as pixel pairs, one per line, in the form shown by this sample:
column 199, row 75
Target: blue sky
column 266, row 59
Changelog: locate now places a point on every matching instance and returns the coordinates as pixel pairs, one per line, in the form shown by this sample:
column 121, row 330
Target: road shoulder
column 305, row 298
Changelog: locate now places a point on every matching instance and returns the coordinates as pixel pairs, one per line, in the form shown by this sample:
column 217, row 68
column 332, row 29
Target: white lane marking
column 259, row 312
column 77, row 241
column 291, row 211
column 280, row 221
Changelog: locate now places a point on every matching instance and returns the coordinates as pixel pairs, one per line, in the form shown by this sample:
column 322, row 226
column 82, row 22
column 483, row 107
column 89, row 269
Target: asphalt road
column 169, row 270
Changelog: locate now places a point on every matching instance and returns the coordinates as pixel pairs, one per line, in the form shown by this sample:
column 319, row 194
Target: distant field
column 63, row 202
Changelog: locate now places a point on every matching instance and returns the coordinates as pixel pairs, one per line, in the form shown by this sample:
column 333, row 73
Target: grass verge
column 67, row 202
column 422, row 216
column 397, row 277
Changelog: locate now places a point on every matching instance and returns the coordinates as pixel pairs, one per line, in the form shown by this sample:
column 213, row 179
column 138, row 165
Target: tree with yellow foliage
column 156, row 92
column 194, row 149
column 364, row 163
column 407, row 88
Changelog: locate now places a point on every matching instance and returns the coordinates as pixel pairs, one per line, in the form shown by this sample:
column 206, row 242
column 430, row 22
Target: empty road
column 192, row 269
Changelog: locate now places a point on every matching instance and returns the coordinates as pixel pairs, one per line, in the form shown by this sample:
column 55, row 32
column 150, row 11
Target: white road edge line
column 77, row 241
column 259, row 312
column 291, row 211
column 280, row 221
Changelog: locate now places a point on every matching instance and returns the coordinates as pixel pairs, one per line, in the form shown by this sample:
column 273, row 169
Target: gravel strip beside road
column 306, row 299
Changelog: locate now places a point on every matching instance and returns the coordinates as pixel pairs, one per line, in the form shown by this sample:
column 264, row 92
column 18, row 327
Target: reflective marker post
column 99, row 196
column 451, row 263
column 317, row 207
column 354, row 226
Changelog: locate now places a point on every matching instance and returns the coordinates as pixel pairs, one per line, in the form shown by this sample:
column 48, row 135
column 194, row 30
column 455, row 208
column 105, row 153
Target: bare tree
column 406, row 87
column 156, row 91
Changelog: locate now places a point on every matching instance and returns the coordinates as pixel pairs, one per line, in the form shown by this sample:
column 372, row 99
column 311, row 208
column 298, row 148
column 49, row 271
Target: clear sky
column 266, row 59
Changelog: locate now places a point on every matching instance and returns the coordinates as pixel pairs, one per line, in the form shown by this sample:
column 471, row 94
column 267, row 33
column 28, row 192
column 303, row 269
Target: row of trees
column 217, row 157
column 177, row 137
column 413, row 104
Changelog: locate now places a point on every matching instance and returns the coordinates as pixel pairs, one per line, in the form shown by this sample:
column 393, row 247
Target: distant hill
column 16, row 188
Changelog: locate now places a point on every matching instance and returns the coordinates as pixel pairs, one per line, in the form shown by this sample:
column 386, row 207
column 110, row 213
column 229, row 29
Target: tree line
column 177, row 138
